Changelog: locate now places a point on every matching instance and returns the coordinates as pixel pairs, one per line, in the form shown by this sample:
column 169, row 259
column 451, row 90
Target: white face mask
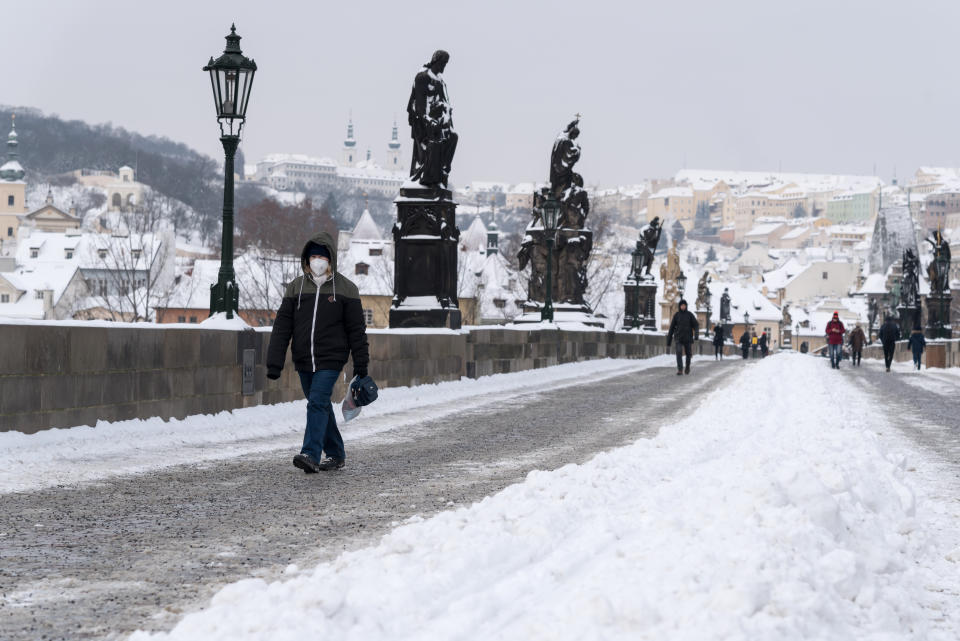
column 319, row 266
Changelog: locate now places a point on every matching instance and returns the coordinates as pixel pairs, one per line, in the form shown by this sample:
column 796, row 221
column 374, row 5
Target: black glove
column 360, row 372
column 273, row 373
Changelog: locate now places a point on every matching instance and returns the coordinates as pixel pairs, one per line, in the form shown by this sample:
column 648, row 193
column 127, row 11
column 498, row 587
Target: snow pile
column 63, row 456
column 781, row 521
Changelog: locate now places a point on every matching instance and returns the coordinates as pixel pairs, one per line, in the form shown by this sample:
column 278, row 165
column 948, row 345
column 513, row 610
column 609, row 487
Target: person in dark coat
column 857, row 341
column 718, row 342
column 764, row 349
column 917, row 344
column 745, row 344
column 322, row 316
column 835, row 331
column 889, row 334
column 683, row 328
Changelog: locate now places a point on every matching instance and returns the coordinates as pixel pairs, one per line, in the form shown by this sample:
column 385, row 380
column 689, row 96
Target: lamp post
column 746, row 321
column 796, row 338
column 636, row 259
column 550, row 209
column 231, row 77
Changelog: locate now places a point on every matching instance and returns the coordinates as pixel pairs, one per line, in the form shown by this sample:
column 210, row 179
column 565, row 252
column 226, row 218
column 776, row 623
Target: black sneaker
column 331, row 464
column 306, row 463
column 686, row 370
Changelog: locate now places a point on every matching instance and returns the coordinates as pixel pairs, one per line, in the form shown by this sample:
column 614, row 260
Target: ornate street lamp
column 796, row 338
column 746, row 321
column 231, row 77
column 681, row 287
column 550, row 209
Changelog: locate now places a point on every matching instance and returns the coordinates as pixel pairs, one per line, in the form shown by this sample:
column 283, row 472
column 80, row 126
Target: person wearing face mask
column 321, row 319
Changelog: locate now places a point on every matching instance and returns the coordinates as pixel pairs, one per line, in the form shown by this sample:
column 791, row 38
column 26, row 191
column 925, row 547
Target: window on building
column 10, row 201
column 38, row 294
column 824, row 275
column 361, row 269
column 368, row 317
column 136, row 254
column 4, row 298
column 102, row 253
column 193, row 319
column 69, row 254
column 499, row 303
column 376, row 251
column 181, row 319
column 10, row 232
column 34, row 253
column 102, row 287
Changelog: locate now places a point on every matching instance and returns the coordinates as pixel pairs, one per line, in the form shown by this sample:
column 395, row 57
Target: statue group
column 573, row 241
column 939, row 300
column 425, row 234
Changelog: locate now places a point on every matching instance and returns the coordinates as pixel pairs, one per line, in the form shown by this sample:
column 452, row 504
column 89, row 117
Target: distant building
column 13, row 191
column 50, row 218
column 124, row 193
column 297, row 172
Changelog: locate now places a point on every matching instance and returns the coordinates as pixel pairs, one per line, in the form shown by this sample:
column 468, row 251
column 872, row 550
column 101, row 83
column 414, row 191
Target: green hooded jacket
column 323, row 319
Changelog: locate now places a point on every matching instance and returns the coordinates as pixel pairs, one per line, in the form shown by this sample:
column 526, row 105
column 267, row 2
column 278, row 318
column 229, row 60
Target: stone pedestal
column 568, row 276
column 703, row 317
column 938, row 311
column 909, row 318
column 425, row 271
column 639, row 298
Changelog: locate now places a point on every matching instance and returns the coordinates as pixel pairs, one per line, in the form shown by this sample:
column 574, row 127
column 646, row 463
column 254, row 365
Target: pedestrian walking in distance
column 745, row 344
column 857, row 341
column 322, row 315
column 917, row 344
column 835, row 332
column 683, row 328
column 754, row 343
column 718, row 342
column 889, row 334
column 764, row 349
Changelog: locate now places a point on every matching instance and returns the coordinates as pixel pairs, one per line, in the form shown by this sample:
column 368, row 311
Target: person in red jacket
column 835, row 331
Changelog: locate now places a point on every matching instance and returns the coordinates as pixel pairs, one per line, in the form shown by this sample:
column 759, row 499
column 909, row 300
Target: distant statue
column 787, row 319
column 669, row 271
column 574, row 204
column 649, row 239
column 565, row 154
column 431, row 124
column 939, row 269
column 873, row 310
column 703, row 291
column 910, row 288
column 725, row 305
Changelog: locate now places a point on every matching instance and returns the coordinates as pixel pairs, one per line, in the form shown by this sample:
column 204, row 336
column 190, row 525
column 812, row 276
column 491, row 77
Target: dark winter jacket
column 745, row 341
column 857, row 339
column 683, row 327
column 325, row 324
column 718, row 335
column 917, row 342
column 835, row 330
column 763, row 343
column 889, row 333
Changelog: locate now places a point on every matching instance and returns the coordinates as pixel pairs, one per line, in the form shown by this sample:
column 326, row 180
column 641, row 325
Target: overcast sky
column 838, row 86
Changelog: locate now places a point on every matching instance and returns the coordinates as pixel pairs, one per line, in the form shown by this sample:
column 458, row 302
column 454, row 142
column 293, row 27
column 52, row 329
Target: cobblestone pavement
column 98, row 561
column 925, row 407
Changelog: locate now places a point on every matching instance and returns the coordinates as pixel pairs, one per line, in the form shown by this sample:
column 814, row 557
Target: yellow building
column 13, row 191
column 673, row 202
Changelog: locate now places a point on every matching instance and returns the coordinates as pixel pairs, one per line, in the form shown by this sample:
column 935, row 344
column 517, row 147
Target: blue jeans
column 835, row 355
column 322, row 434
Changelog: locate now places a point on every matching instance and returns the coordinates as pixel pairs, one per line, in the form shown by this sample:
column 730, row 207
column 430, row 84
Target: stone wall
column 945, row 353
column 62, row 374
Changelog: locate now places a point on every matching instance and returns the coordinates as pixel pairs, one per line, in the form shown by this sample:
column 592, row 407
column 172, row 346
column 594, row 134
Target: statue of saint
column 873, row 310
column 565, row 154
column 939, row 269
column 703, row 291
column 574, row 204
column 649, row 239
column 787, row 319
column 431, row 124
column 910, row 289
column 725, row 304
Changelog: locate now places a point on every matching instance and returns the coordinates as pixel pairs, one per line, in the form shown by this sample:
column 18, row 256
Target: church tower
column 349, row 157
column 13, row 189
column 393, row 151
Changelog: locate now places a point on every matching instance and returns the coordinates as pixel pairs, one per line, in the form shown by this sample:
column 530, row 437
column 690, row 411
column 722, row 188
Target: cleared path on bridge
column 102, row 559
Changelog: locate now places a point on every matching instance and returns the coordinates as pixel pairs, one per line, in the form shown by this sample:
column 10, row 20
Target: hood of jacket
column 326, row 240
